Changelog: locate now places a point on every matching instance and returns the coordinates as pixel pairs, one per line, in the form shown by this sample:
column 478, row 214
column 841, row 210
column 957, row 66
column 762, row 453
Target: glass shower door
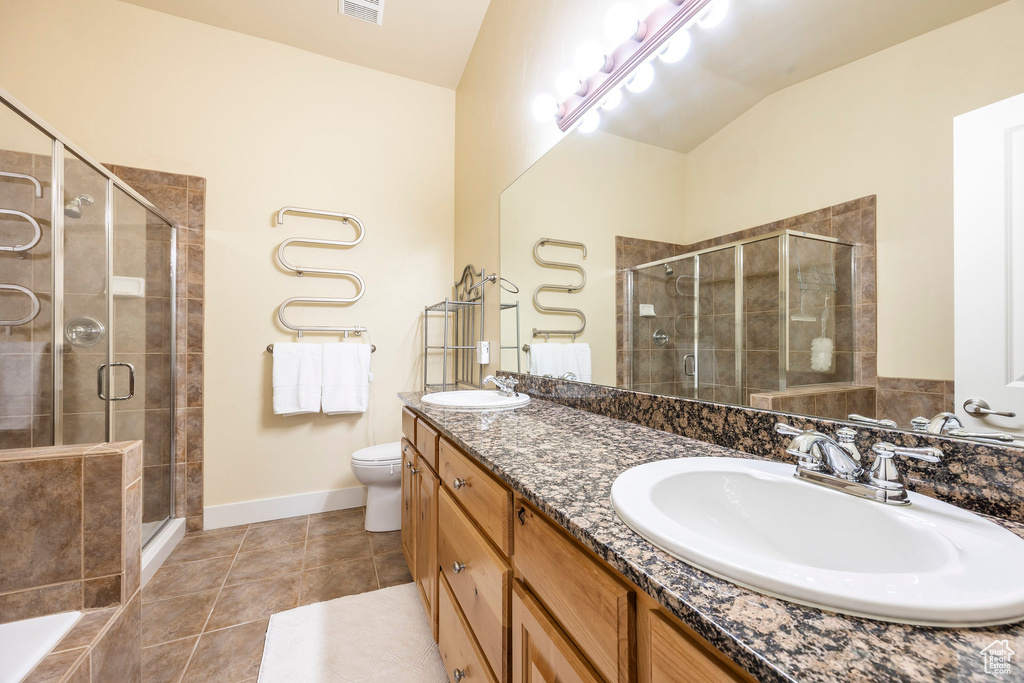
column 142, row 349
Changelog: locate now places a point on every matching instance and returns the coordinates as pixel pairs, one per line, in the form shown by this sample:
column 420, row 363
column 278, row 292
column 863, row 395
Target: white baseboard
column 160, row 546
column 266, row 509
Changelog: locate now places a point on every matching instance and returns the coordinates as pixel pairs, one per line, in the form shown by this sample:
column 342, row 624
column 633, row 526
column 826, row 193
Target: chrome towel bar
column 24, row 176
column 37, row 231
column 8, row 324
column 270, row 347
column 568, row 289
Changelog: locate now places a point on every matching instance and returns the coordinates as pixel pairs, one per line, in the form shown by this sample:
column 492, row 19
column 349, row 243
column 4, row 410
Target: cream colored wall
column 587, row 189
column 268, row 126
column 882, row 125
column 522, row 46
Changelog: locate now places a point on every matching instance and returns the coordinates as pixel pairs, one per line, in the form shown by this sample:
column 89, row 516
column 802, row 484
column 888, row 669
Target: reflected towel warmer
column 559, row 288
column 345, row 218
column 24, row 176
column 8, row 324
column 37, row 231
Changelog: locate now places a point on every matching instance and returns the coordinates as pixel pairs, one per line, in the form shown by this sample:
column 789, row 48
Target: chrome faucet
column 506, row 385
column 948, row 424
column 836, row 464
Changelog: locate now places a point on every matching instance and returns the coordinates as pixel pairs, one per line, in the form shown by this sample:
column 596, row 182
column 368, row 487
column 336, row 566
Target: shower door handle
column 690, row 361
column 131, row 381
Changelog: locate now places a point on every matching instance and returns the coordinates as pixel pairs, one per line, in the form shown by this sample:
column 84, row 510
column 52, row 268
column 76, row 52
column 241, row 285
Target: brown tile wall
column 71, row 533
column 831, row 401
column 183, row 199
column 903, row 399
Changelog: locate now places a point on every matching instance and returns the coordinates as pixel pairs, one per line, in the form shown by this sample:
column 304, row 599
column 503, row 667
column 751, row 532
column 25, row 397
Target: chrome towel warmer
column 568, row 289
column 270, row 347
column 25, row 176
column 346, row 219
column 37, row 231
column 8, row 324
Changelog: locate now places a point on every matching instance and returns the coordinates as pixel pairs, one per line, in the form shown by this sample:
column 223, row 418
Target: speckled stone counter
column 564, row 461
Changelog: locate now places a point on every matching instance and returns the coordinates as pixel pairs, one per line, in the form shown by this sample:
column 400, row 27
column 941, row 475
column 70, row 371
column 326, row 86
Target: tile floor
column 205, row 612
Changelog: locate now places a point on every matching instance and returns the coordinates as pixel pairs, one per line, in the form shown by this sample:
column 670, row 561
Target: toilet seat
column 383, row 454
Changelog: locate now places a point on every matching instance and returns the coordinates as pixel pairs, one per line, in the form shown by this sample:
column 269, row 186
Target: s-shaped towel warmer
column 301, row 270
column 8, row 324
column 559, row 288
column 37, row 233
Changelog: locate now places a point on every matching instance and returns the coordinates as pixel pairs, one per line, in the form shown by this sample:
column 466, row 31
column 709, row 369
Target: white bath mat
column 382, row 635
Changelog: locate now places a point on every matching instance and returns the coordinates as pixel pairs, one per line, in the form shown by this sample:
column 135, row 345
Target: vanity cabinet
column 513, row 597
column 420, row 486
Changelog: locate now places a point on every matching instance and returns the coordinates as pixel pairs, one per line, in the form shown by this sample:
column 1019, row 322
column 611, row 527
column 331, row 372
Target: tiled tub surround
column 182, row 198
column 565, row 460
column 71, row 541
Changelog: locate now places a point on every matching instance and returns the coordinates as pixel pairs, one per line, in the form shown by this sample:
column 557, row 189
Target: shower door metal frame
column 59, row 146
column 783, row 237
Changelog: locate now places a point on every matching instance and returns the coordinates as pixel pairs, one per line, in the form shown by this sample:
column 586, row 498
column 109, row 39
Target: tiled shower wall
column 183, row 199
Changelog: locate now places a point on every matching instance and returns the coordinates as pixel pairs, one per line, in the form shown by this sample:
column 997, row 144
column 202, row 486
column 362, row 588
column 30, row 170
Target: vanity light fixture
column 663, row 34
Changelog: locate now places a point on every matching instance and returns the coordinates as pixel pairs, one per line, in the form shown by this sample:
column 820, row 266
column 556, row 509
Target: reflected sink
column 476, row 399
column 753, row 523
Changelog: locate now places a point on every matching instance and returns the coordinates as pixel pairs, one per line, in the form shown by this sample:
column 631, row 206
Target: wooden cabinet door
column 426, row 540
column 541, row 652
column 678, row 658
column 408, row 505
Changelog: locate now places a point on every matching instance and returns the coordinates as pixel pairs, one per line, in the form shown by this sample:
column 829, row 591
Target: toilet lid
column 382, row 453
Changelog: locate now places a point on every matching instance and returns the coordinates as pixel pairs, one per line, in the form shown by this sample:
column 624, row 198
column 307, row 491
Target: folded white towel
column 346, row 378
column 297, row 372
column 577, row 361
column 547, row 359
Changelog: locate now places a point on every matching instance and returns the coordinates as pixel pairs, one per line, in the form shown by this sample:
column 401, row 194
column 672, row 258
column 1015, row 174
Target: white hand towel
column 577, row 361
column 297, row 385
column 346, row 378
column 547, row 359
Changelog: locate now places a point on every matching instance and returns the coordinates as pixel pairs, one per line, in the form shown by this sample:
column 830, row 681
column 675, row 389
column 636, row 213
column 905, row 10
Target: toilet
column 379, row 468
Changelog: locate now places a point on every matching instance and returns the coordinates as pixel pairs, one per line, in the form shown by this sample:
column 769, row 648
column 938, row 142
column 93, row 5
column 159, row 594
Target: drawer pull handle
column 458, row 674
column 522, row 516
column 458, row 484
column 457, row 567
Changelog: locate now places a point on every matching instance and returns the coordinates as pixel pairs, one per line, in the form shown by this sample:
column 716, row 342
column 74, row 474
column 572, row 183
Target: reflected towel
column 547, row 359
column 346, row 378
column 297, row 373
column 577, row 361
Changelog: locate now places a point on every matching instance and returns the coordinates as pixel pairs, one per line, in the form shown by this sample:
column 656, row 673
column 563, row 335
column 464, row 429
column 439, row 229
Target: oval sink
column 753, row 523
column 475, row 399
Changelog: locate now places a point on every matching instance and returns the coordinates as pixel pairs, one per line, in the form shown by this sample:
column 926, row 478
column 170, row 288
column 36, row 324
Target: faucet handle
column 886, row 450
column 787, row 430
column 920, row 424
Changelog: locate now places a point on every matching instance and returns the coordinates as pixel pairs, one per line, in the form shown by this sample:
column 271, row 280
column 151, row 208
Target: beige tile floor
column 205, row 612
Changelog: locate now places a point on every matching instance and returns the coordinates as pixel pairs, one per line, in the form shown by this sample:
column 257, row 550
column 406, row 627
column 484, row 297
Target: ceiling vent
column 365, row 10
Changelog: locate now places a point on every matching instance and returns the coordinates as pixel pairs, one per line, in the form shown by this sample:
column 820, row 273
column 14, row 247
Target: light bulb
column 567, row 83
column 613, row 100
column 714, row 14
column 642, row 78
column 590, row 58
column 590, row 121
column 545, row 107
column 676, row 48
column 621, row 22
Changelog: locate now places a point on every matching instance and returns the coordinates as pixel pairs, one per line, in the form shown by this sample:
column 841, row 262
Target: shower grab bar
column 568, row 289
column 38, row 232
column 8, row 324
column 24, row 176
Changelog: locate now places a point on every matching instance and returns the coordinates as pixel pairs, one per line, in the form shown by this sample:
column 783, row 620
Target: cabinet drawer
column 426, row 443
column 459, row 651
column 540, row 650
column 594, row 607
column 409, row 425
column 678, row 658
column 486, row 499
column 479, row 578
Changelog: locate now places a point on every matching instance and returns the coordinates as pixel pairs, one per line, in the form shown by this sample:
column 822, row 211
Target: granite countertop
column 564, row 461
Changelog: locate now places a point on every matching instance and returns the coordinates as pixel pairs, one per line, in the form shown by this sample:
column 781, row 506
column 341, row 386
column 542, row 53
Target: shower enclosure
column 87, row 306
column 759, row 316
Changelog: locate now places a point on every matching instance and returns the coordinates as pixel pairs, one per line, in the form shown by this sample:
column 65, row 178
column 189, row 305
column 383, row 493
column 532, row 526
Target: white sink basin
column 755, row 524
column 476, row 399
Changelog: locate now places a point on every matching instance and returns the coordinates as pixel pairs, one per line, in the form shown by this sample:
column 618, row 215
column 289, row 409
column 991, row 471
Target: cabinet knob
column 458, row 484
column 458, row 674
column 413, row 470
column 457, row 567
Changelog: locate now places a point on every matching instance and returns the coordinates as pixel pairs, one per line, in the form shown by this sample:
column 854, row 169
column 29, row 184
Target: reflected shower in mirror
column 771, row 224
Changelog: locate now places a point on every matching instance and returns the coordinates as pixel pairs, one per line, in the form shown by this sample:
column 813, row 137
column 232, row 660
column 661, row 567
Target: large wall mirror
column 771, row 223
